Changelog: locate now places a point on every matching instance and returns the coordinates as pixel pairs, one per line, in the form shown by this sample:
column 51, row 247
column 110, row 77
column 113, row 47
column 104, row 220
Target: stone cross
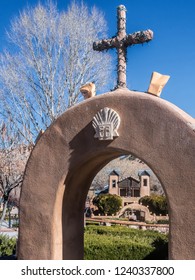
column 121, row 42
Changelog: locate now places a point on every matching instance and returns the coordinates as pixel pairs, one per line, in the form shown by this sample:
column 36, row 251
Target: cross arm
column 105, row 44
column 139, row 37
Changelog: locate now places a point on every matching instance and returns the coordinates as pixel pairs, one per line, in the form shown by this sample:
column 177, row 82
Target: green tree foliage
column 108, row 204
column 157, row 204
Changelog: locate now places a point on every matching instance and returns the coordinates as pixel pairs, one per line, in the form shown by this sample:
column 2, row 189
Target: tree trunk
column 3, row 213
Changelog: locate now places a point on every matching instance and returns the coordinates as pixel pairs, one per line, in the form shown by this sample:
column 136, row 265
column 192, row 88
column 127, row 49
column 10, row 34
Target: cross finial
column 121, row 42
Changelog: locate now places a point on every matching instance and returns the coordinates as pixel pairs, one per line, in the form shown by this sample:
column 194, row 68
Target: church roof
column 103, row 191
column 129, row 178
column 144, row 172
column 114, row 173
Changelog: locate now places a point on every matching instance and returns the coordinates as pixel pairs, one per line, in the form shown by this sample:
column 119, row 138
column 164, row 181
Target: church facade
column 130, row 189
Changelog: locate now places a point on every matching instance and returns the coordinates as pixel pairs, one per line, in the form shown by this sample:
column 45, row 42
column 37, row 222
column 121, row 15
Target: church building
column 129, row 189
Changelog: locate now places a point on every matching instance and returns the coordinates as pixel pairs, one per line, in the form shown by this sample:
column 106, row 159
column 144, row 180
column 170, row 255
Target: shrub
column 157, row 204
column 7, row 245
column 163, row 222
column 121, row 243
column 100, row 248
column 108, row 204
column 15, row 224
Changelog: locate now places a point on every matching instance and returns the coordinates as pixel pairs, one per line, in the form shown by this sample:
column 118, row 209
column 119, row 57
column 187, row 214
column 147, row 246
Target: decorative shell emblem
column 106, row 122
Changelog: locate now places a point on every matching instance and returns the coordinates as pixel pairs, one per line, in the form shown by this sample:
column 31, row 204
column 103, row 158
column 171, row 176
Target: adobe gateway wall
column 67, row 157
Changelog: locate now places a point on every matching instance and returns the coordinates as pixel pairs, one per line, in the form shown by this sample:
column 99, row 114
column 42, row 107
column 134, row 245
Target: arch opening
column 129, row 176
column 76, row 189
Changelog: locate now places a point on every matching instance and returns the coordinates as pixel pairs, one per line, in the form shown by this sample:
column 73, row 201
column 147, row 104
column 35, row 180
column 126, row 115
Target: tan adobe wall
column 112, row 189
column 144, row 190
column 67, row 157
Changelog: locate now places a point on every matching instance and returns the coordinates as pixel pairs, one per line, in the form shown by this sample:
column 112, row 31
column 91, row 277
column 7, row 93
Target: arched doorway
column 67, row 157
column 136, row 207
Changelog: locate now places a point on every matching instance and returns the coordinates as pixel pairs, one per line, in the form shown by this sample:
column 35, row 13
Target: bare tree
column 13, row 157
column 49, row 58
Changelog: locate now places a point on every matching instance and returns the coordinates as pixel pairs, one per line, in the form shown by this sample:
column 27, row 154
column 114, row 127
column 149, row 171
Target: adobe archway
column 136, row 206
column 67, row 157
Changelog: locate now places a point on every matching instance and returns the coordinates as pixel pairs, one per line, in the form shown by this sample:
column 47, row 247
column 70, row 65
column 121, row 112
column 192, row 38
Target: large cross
column 121, row 42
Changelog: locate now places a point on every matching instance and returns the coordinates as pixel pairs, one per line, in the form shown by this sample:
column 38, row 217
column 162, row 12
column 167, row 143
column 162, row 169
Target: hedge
column 111, row 243
column 121, row 243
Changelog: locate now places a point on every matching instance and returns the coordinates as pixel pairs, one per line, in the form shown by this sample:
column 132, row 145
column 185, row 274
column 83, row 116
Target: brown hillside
column 125, row 167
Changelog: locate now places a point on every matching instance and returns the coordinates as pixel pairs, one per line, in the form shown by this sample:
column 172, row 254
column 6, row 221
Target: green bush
column 164, row 222
column 7, row 245
column 92, row 223
column 108, row 204
column 157, row 204
column 100, row 248
column 15, row 224
column 121, row 243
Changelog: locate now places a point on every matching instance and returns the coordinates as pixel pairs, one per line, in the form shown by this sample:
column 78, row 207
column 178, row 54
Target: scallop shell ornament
column 106, row 123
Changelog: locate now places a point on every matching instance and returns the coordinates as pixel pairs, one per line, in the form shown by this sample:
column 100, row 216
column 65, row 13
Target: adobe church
column 129, row 189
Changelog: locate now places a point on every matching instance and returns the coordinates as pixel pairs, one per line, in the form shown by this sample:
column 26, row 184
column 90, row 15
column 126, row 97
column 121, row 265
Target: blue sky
column 171, row 52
